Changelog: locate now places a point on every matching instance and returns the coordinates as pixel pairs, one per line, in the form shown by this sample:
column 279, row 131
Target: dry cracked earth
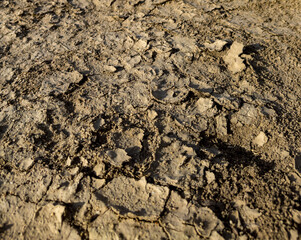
column 150, row 119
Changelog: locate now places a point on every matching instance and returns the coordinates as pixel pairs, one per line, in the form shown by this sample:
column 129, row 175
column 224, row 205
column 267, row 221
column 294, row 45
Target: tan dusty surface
column 150, row 119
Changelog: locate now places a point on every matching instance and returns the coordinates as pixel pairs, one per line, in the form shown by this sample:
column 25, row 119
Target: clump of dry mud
column 152, row 119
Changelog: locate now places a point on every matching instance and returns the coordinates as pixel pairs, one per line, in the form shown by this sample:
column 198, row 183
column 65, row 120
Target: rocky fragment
column 140, row 45
column 203, row 104
column 6, row 74
column 134, row 198
column 99, row 169
column 210, row 177
column 260, row 140
column 221, row 125
column 133, row 96
column 110, row 68
column 117, row 157
column 152, row 114
column 232, row 58
column 293, row 234
column 130, row 62
column 218, row 45
column 296, row 216
column 98, row 123
column 98, row 183
column 268, row 111
column 226, row 100
column 26, row 163
column 245, row 116
column 200, row 85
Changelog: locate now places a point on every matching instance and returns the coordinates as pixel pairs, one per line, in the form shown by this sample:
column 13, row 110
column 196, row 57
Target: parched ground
column 152, row 119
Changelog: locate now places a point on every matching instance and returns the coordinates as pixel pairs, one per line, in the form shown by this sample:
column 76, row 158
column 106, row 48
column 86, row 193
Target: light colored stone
column 99, row 169
column 268, row 111
column 293, row 234
column 68, row 162
column 109, row 68
column 152, row 114
column 140, row 45
column 134, row 61
column 210, row 177
column 98, row 183
column 218, row 45
column 203, row 104
column 26, row 163
column 6, row 74
column 260, row 140
column 73, row 171
column 296, row 216
column 232, row 58
column 84, row 161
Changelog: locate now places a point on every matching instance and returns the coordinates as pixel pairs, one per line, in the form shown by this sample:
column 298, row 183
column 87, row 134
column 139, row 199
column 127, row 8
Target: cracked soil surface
column 152, row 119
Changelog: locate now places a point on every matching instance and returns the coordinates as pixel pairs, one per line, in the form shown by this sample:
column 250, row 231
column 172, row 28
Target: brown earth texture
column 150, row 119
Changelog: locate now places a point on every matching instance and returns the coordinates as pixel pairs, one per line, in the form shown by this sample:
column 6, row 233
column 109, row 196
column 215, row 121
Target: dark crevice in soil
column 70, row 209
column 236, row 155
